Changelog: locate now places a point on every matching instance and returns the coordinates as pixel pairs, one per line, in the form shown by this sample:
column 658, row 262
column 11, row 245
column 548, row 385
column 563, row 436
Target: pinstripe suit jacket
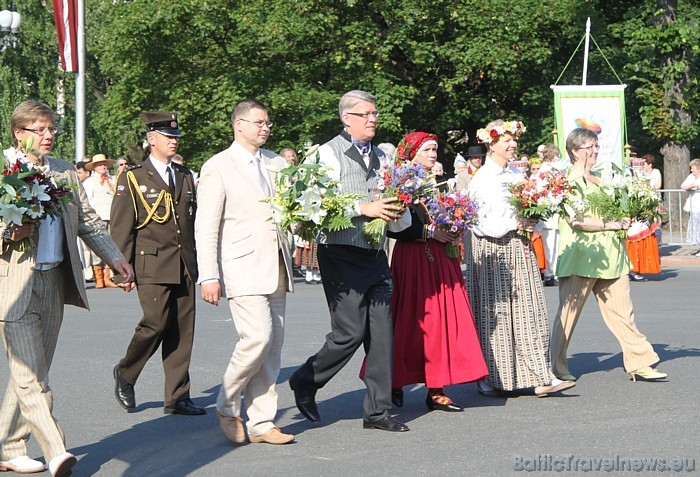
column 79, row 219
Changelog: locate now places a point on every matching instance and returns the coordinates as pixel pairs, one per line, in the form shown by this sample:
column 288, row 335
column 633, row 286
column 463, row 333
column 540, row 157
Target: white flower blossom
column 11, row 214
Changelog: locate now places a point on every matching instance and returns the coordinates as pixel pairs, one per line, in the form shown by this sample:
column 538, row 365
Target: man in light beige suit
column 245, row 257
column 34, row 286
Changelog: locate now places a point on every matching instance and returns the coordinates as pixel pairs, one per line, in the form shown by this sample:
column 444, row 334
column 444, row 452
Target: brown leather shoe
column 232, row 427
column 273, row 436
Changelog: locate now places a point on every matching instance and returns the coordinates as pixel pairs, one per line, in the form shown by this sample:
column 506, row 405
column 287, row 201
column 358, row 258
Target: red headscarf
column 412, row 144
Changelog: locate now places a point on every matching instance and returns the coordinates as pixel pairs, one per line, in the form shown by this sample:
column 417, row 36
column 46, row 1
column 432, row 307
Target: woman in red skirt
column 435, row 339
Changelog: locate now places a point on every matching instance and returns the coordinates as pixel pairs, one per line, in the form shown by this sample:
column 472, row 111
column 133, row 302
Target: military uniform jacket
column 156, row 249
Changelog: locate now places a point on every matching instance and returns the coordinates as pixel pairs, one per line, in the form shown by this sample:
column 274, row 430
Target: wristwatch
column 7, row 234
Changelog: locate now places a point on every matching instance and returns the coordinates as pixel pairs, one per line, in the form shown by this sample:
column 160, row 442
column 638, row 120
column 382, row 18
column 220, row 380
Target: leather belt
column 43, row 267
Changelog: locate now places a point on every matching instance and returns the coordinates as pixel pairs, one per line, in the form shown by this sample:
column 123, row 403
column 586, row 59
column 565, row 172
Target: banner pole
column 585, row 51
column 80, row 87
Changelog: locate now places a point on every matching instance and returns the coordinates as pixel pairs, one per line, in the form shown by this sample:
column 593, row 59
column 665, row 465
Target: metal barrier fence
column 674, row 232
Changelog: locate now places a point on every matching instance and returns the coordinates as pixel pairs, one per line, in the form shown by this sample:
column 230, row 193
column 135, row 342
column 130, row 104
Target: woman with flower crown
column 503, row 279
column 435, row 341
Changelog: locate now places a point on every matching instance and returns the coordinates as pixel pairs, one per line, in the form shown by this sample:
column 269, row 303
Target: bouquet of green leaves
column 622, row 196
column 308, row 200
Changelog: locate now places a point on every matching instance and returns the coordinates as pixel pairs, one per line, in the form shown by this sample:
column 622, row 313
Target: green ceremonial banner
column 598, row 108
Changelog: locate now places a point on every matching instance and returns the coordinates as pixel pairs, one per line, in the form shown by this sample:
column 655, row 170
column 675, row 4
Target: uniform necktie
column 171, row 182
column 261, row 176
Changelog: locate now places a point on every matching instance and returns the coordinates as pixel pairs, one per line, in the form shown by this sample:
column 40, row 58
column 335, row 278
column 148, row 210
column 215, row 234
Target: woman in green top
column 592, row 258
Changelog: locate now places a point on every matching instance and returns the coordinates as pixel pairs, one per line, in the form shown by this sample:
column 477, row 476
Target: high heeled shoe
column 647, row 374
column 397, row 397
column 440, row 402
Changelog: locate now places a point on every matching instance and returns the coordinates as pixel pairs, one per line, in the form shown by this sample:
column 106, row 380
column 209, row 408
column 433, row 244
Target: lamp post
column 10, row 20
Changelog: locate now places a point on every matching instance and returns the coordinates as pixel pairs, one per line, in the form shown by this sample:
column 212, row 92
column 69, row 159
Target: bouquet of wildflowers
column 307, row 198
column 406, row 181
column 540, row 196
column 454, row 212
column 28, row 193
column 622, row 196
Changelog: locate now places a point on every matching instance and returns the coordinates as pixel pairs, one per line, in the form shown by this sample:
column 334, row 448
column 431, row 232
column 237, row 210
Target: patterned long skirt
column 306, row 256
column 507, row 298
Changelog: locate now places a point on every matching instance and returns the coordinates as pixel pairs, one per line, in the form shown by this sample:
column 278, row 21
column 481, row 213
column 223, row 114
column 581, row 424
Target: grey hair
column 577, row 138
column 352, row 98
column 694, row 162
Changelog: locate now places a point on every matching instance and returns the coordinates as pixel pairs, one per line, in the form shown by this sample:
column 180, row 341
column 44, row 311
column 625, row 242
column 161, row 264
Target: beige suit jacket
column 237, row 241
column 79, row 219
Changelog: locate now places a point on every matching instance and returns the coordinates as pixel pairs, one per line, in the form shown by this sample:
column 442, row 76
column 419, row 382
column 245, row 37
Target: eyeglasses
column 365, row 115
column 592, row 146
column 122, row 164
column 259, row 124
column 40, row 132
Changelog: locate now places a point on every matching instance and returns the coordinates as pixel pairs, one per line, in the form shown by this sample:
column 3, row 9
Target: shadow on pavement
column 168, row 446
column 585, row 363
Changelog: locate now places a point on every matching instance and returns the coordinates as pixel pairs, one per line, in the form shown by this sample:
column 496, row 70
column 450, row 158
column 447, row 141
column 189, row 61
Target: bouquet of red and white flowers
column 407, row 181
column 540, row 196
column 454, row 212
column 27, row 192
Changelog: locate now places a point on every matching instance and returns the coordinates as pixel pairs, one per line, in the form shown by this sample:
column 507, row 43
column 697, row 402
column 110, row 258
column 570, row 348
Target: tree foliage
column 436, row 65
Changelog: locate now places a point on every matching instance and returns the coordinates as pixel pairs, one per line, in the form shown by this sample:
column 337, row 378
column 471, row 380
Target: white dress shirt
column 162, row 170
column 490, row 188
column 253, row 161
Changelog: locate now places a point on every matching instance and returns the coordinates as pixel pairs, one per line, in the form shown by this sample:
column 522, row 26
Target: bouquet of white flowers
column 308, row 200
column 621, row 196
column 27, row 192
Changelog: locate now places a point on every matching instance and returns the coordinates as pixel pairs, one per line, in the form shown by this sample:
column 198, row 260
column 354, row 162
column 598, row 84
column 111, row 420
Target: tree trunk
column 676, row 156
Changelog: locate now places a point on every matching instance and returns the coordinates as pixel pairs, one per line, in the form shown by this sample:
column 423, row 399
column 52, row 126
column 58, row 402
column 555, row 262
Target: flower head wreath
column 516, row 128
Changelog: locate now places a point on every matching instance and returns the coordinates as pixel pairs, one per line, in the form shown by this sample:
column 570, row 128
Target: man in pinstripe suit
column 34, row 286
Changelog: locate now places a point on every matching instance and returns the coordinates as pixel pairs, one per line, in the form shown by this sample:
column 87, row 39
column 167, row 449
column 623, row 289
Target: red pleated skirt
column 435, row 339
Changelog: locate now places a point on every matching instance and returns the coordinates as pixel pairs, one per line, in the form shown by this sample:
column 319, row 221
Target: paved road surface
column 605, row 416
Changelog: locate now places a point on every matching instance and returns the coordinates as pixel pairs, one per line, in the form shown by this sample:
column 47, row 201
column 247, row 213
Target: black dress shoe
column 386, row 424
column 434, row 404
column 397, row 397
column 305, row 399
column 550, row 282
column 123, row 391
column 185, row 407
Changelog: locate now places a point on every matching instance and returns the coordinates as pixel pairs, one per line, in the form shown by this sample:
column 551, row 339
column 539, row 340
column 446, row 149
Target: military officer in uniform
column 152, row 215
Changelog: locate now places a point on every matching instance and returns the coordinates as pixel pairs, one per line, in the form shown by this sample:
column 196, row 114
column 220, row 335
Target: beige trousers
column 255, row 364
column 614, row 300
column 30, row 343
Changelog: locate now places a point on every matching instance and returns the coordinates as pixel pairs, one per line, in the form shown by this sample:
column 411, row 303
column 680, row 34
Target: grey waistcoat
column 355, row 179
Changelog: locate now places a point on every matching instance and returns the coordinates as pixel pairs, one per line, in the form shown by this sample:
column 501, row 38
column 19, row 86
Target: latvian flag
column 65, row 15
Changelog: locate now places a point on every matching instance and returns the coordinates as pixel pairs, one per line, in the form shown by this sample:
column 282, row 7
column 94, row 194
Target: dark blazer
column 156, row 250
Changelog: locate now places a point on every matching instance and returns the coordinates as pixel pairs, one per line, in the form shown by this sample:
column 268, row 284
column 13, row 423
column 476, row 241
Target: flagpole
column 80, row 87
column 585, row 51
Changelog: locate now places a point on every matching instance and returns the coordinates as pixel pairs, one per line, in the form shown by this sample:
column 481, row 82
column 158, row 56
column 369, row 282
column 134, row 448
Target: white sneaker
column 61, row 465
column 22, row 465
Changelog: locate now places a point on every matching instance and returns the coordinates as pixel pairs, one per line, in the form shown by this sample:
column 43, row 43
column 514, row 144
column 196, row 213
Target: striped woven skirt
column 507, row 298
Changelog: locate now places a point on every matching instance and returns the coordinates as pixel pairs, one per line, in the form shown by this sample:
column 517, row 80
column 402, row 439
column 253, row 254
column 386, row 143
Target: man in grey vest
column 356, row 274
